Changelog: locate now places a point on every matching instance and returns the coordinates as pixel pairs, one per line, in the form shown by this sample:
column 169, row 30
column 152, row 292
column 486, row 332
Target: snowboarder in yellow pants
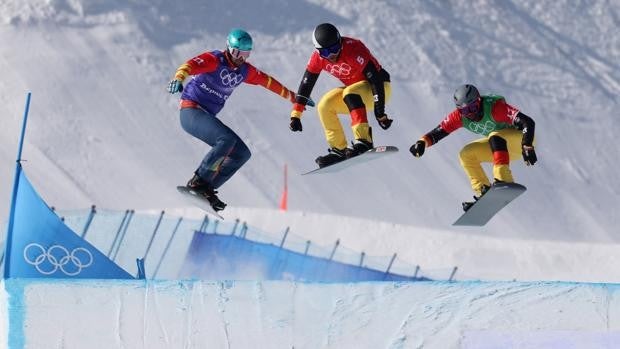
column 333, row 103
column 366, row 87
column 478, row 151
column 507, row 133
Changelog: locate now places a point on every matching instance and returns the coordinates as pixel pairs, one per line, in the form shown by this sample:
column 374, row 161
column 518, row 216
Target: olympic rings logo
column 57, row 257
column 482, row 129
column 230, row 79
column 342, row 69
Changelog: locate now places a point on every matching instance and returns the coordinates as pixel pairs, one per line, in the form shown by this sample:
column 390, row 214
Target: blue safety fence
column 179, row 248
column 174, row 247
column 216, row 257
column 159, row 239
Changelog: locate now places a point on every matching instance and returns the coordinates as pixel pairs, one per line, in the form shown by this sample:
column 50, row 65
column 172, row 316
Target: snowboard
column 496, row 198
column 198, row 201
column 371, row 154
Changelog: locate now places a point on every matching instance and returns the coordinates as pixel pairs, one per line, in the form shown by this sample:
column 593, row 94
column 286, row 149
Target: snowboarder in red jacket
column 366, row 87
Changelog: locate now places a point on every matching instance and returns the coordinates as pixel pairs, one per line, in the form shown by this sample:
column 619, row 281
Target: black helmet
column 325, row 35
column 465, row 95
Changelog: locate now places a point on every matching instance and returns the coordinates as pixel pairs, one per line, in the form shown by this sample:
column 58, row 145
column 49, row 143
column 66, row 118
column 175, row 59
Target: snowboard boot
column 497, row 181
column 334, row 155
column 468, row 204
column 361, row 146
column 204, row 189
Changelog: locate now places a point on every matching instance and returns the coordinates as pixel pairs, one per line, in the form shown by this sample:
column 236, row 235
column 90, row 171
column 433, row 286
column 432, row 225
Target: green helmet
column 239, row 39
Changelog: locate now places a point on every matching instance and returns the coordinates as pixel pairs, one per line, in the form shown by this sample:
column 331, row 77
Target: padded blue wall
column 217, row 257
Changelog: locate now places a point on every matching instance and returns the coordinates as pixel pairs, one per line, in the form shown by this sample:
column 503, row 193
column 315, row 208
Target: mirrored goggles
column 327, row 51
column 236, row 53
column 470, row 109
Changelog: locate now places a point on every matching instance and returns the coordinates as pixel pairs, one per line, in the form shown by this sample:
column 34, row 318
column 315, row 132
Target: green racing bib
column 486, row 125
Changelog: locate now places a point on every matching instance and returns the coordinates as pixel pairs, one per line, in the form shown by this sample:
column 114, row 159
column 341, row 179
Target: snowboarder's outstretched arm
column 257, row 77
column 448, row 125
column 432, row 137
column 204, row 63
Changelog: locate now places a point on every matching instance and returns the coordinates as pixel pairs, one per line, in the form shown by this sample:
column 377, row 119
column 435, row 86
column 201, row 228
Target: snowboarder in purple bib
column 215, row 76
column 507, row 134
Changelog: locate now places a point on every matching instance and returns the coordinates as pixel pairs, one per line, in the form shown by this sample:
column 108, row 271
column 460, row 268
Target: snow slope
column 103, row 130
column 228, row 314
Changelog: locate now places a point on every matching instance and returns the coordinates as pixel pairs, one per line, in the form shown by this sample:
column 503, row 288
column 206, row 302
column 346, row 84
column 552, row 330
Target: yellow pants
column 478, row 151
column 332, row 104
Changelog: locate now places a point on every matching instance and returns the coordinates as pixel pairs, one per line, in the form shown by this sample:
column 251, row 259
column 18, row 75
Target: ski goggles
column 237, row 54
column 328, row 51
column 470, row 109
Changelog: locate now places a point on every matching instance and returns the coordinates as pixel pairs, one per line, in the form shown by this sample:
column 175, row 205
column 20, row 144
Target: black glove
column 384, row 121
column 295, row 125
column 529, row 155
column 417, row 149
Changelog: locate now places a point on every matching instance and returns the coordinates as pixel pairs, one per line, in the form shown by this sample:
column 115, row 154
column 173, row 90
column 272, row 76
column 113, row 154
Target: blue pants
column 228, row 152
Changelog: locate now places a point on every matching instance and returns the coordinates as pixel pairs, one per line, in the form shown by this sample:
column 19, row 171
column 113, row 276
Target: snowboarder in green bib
column 507, row 134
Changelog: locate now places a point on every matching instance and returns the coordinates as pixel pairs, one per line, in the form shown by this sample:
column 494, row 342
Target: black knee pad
column 353, row 101
column 497, row 143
